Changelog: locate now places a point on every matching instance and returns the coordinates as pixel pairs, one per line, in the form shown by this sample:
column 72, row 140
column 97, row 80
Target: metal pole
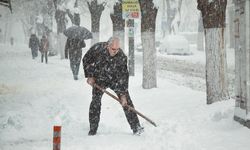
column 131, row 63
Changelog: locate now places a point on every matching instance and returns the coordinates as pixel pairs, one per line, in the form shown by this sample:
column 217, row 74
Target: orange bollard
column 57, row 138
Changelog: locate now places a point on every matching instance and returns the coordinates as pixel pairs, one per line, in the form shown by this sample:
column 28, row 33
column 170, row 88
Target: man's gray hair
column 113, row 38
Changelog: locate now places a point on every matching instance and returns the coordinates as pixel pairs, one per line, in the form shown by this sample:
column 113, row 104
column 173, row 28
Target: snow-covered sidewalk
column 34, row 94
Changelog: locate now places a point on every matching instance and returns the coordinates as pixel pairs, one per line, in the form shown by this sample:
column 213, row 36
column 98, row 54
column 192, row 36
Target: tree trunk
column 149, row 60
column 148, row 19
column 131, row 51
column 60, row 20
column 248, row 59
column 96, row 12
column 216, row 65
column 164, row 19
column 179, row 13
column 61, row 26
column 118, row 23
column 71, row 17
column 170, row 16
column 213, row 15
column 231, row 26
column 75, row 18
column 61, row 41
column 50, row 12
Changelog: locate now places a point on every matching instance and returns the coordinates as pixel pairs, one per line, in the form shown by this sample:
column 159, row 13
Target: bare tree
column 213, row 14
column 178, row 15
column 173, row 10
column 170, row 16
column 35, row 19
column 148, row 19
column 118, row 22
column 231, row 15
column 60, row 16
column 96, row 12
column 75, row 17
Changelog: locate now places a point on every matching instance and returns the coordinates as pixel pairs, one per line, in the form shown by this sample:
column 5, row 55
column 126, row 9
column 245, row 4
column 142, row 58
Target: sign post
column 130, row 11
column 131, row 63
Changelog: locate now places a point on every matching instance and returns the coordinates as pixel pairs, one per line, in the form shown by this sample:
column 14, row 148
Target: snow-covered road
column 33, row 95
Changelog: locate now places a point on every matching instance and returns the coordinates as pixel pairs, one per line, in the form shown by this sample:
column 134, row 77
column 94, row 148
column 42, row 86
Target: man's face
column 114, row 48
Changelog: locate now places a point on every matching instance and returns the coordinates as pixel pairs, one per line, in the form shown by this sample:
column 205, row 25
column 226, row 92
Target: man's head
column 113, row 46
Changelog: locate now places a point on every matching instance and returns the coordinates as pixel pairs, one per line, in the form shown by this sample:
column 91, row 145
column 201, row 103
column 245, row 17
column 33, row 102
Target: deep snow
column 34, row 94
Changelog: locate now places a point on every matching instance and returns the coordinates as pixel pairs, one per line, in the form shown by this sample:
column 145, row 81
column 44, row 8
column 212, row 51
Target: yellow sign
column 130, row 9
column 130, row 5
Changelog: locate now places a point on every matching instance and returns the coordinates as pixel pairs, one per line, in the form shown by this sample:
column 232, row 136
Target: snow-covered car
column 175, row 45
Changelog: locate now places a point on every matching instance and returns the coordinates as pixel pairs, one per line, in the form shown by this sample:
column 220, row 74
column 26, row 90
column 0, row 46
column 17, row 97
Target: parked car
column 175, row 45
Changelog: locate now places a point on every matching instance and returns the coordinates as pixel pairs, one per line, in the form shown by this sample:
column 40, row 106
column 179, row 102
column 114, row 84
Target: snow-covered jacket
column 106, row 69
column 73, row 50
column 33, row 42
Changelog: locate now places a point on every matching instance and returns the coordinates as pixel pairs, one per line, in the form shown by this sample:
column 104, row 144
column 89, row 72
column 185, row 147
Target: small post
column 57, row 138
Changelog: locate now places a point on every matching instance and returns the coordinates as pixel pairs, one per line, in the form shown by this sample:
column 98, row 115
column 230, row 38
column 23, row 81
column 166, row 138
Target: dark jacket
column 34, row 42
column 73, row 49
column 107, row 70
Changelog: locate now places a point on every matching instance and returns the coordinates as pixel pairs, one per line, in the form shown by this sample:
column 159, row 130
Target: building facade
column 242, row 61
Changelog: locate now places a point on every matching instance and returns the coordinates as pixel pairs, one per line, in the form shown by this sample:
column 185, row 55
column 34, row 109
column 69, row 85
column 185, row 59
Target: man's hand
column 91, row 81
column 124, row 101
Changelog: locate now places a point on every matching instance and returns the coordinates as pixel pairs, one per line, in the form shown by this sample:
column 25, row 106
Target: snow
column 34, row 96
column 247, row 117
column 241, row 113
column 175, row 44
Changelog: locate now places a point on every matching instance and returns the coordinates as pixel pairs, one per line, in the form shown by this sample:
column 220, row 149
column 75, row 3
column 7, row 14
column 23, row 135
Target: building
column 242, row 61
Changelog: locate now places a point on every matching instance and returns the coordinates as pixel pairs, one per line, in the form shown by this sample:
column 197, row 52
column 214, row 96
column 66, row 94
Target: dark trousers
column 95, row 111
column 75, row 67
column 34, row 53
column 44, row 54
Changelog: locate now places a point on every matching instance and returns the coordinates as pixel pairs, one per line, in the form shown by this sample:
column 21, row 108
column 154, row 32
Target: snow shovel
column 129, row 107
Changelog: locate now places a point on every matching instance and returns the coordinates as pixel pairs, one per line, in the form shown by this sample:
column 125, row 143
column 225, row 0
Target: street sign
column 130, row 9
